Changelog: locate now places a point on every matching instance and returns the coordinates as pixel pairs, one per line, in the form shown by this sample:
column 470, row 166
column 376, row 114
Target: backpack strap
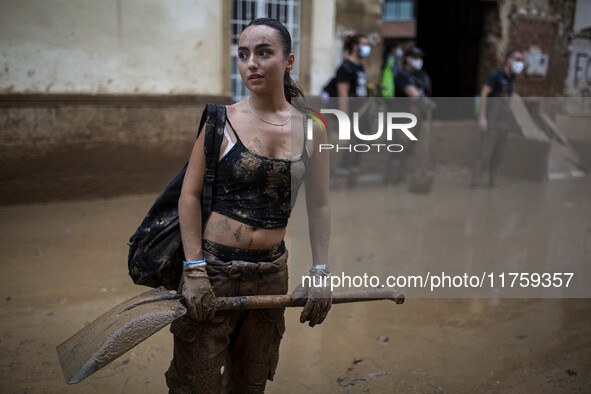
column 214, row 133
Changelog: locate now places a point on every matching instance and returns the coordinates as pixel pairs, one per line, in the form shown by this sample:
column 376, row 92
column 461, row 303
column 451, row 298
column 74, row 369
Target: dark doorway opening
column 450, row 33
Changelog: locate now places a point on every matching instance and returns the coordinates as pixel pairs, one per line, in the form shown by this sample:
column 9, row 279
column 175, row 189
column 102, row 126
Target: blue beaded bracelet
column 186, row 263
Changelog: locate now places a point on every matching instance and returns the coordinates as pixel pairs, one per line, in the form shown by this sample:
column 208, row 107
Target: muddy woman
column 241, row 250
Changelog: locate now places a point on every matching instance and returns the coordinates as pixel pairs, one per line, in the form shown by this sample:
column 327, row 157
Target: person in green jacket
column 390, row 70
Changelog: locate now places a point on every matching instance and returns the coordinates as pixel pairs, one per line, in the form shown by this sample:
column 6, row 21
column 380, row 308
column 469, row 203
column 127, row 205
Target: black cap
column 414, row 52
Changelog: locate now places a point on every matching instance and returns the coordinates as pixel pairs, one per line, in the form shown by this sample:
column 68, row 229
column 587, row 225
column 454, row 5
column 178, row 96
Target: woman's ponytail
column 290, row 88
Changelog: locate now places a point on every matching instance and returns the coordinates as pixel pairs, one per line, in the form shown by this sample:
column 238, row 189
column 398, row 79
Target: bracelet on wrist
column 193, row 263
column 323, row 269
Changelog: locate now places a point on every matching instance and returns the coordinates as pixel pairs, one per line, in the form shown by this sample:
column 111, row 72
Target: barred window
column 398, row 10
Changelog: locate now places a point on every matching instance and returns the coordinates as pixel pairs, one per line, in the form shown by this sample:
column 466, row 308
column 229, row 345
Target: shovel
column 133, row 321
column 421, row 182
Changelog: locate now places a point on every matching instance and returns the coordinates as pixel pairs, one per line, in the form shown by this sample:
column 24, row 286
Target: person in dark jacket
column 351, row 81
column 495, row 116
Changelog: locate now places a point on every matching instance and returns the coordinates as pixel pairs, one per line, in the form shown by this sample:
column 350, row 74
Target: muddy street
column 64, row 264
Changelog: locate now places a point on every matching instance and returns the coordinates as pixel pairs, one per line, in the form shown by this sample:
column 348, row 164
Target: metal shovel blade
column 421, row 182
column 117, row 331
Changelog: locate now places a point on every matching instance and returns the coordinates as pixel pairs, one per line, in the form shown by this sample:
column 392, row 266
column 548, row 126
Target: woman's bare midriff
column 227, row 231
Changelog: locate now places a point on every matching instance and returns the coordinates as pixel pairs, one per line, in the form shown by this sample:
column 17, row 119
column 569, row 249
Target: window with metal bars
column 398, row 10
column 243, row 12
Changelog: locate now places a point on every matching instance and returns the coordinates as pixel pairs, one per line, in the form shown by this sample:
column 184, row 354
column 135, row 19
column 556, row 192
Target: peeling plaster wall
column 530, row 25
column 578, row 82
column 111, row 46
column 103, row 97
column 363, row 17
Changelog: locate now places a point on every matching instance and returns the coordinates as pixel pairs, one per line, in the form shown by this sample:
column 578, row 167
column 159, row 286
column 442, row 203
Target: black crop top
column 257, row 190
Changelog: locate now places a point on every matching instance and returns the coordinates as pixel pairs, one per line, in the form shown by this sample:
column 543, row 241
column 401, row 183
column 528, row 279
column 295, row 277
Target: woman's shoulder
column 238, row 106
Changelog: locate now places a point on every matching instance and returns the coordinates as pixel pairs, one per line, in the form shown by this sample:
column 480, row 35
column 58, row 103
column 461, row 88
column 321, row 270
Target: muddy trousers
column 243, row 346
column 489, row 152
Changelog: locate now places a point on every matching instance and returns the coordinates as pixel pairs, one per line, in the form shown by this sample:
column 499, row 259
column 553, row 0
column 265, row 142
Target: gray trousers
column 490, row 146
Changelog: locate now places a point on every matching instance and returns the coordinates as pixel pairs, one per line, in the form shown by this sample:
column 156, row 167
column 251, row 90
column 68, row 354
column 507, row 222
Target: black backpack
column 331, row 88
column 155, row 249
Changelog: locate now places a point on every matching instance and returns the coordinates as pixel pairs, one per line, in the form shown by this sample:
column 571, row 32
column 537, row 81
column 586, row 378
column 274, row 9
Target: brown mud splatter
column 64, row 264
column 237, row 233
column 247, row 166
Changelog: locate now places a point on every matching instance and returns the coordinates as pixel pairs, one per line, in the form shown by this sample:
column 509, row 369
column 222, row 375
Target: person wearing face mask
column 413, row 80
column 351, row 81
column 391, row 69
column 494, row 117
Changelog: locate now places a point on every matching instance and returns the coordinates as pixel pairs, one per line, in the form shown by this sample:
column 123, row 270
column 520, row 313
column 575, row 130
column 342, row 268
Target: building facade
column 81, row 79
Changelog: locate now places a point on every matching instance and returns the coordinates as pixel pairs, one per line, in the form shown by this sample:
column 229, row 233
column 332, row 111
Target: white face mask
column 417, row 63
column 364, row 50
column 517, row 67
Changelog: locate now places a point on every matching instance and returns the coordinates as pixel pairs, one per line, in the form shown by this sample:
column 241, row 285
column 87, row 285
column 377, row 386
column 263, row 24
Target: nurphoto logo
column 344, row 129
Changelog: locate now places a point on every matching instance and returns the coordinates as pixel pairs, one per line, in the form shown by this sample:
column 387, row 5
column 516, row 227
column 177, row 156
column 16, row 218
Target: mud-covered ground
column 64, row 264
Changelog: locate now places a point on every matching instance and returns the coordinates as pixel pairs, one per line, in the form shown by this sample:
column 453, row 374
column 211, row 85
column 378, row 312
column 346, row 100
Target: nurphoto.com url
column 436, row 281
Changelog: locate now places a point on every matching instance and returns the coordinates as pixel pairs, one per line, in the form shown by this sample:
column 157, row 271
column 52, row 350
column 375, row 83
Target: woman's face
column 261, row 61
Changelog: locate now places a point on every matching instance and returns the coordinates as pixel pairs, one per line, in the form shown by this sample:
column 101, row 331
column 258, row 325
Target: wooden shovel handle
column 282, row 301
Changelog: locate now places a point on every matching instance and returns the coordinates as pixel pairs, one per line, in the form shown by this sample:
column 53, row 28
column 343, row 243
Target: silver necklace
column 266, row 121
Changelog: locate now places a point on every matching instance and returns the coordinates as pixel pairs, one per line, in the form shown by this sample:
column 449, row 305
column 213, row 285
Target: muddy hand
column 319, row 300
column 199, row 296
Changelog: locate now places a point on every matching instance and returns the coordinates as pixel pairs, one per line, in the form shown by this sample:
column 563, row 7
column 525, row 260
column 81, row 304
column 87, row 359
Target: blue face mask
column 364, row 50
column 398, row 53
column 416, row 63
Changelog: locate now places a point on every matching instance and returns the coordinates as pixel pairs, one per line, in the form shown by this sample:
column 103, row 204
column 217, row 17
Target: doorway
column 450, row 33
